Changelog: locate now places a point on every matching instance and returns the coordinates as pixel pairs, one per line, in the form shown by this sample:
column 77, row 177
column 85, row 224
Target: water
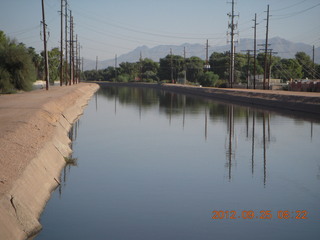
column 157, row 165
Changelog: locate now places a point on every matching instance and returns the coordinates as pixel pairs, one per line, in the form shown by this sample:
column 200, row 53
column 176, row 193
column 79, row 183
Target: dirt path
column 34, row 142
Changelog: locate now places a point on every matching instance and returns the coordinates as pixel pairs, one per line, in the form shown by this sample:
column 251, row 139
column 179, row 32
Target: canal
column 149, row 164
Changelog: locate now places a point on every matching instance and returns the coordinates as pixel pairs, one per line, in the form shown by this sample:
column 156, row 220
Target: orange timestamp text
column 263, row 214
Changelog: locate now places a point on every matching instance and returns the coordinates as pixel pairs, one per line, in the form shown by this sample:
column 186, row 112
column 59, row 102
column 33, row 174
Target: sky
column 109, row 27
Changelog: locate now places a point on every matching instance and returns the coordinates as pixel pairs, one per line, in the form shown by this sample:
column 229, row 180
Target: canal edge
column 22, row 205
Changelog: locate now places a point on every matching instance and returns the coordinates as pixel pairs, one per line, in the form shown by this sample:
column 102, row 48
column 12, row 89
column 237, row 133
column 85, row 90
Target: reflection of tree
column 70, row 161
column 257, row 122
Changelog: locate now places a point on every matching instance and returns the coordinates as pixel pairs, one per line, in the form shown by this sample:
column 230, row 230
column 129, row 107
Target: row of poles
column 70, row 66
column 233, row 26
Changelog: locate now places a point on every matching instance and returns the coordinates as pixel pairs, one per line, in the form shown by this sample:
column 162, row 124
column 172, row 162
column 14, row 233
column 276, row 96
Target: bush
column 208, row 79
column 17, row 71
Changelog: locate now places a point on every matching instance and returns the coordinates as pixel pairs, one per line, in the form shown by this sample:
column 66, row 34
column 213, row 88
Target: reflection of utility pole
column 253, row 135
column 46, row 68
column 206, row 123
column 264, row 151
column 230, row 146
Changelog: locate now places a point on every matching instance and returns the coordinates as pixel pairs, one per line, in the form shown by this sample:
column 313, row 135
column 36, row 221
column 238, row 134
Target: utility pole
column 266, row 51
column 185, row 66
column 71, row 48
column 232, row 27
column 46, row 68
column 207, row 66
column 96, row 63
column 82, row 65
column 270, row 64
column 314, row 66
column 248, row 65
column 61, row 45
column 255, row 52
column 77, row 62
column 115, row 66
column 171, row 64
column 73, row 59
column 66, row 41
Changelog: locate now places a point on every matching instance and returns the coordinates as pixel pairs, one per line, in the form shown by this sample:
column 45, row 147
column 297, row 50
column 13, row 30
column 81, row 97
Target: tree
column 287, row 69
column 171, row 66
column 54, row 63
column 17, row 71
column 209, row 79
column 306, row 63
column 219, row 63
column 194, row 68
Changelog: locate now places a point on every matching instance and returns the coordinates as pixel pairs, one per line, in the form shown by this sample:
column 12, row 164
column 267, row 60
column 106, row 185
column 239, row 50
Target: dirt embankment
column 34, row 141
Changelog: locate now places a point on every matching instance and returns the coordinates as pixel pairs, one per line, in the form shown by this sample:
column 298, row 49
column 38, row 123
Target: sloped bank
column 34, row 143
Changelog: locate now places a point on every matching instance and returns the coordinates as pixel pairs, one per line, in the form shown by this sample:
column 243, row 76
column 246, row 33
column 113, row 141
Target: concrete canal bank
column 298, row 102
column 34, row 143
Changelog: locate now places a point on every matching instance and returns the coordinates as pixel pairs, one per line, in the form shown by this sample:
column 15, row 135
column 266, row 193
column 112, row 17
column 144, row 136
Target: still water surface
column 156, row 165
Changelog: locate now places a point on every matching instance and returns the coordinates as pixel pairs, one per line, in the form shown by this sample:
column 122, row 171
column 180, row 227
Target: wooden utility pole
column 76, row 61
column 61, row 45
column 96, row 63
column 171, row 65
column 314, row 66
column 266, row 51
column 270, row 65
column 255, row 52
column 184, row 66
column 71, row 48
column 248, row 65
column 207, row 66
column 115, row 66
column 46, row 65
column 232, row 27
column 66, row 42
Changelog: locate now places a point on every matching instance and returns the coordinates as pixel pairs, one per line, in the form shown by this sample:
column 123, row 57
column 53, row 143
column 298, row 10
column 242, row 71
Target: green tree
column 171, row 64
column 219, row 63
column 209, row 79
column 194, row 68
column 54, row 64
column 17, row 71
column 287, row 69
column 306, row 63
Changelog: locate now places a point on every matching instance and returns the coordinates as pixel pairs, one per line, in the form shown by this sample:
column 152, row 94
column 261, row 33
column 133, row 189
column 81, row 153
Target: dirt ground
column 22, row 133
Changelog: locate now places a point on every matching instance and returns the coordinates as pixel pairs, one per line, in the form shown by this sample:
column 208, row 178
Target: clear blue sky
column 109, row 27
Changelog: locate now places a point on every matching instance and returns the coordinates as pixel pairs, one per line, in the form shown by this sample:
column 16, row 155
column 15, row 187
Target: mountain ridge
column 283, row 47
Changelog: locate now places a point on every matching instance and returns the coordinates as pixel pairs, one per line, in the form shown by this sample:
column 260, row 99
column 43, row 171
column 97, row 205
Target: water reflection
column 70, row 161
column 155, row 164
column 174, row 105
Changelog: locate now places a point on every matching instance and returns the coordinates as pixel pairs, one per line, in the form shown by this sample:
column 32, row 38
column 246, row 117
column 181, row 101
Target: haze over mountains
column 285, row 49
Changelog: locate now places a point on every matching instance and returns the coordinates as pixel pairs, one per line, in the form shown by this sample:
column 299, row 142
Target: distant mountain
column 284, row 48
